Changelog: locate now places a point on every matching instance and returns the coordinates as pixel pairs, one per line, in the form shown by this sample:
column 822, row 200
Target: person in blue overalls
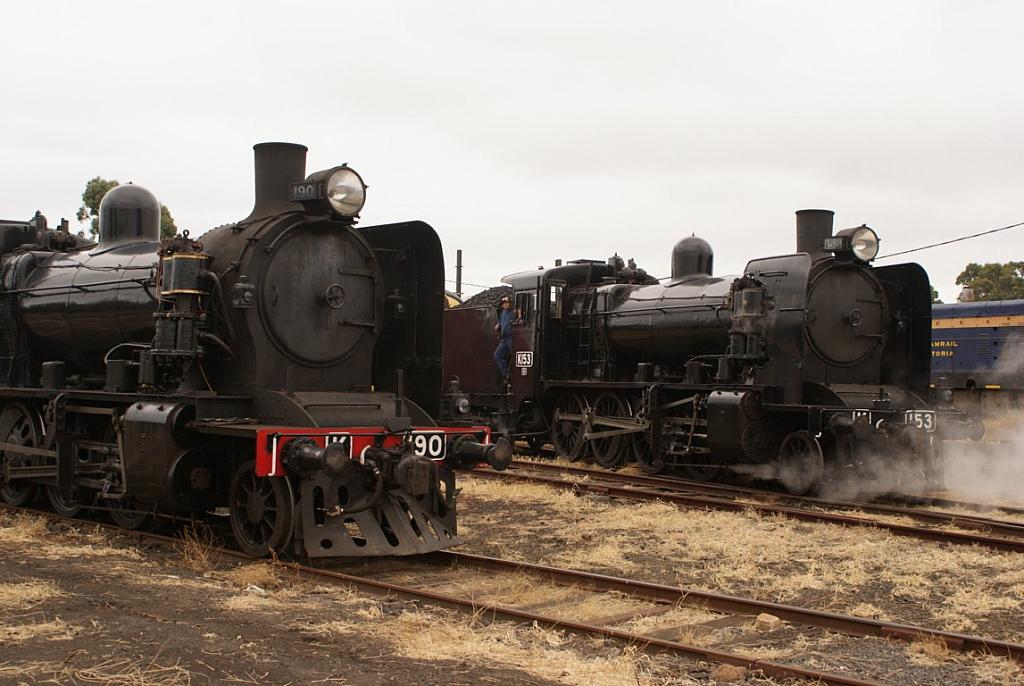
column 504, row 328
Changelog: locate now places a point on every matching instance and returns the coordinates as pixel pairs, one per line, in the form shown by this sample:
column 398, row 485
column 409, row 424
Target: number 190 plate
column 430, row 444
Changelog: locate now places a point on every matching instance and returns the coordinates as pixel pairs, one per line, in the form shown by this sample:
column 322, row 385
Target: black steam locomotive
column 286, row 367
column 803, row 364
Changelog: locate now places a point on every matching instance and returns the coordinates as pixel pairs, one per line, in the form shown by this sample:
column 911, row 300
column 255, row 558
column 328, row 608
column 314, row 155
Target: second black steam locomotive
column 285, row 368
column 803, row 364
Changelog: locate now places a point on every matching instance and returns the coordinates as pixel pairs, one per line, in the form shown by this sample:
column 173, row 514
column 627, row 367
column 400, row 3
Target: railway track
column 729, row 610
column 916, row 499
column 963, row 520
column 700, row 495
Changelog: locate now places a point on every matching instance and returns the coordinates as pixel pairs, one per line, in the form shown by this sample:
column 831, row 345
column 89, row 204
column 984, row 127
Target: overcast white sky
column 528, row 131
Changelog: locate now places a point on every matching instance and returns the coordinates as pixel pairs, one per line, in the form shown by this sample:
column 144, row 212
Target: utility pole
column 458, row 273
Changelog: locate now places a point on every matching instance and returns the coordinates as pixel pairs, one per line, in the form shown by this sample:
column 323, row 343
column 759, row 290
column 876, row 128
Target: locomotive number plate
column 922, row 419
column 430, row 444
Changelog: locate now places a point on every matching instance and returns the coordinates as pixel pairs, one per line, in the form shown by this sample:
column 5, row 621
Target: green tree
column 994, row 280
column 936, row 300
column 92, row 196
column 95, row 189
column 168, row 229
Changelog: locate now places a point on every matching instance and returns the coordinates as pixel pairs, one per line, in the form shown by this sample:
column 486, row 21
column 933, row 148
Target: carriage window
column 555, row 302
column 524, row 306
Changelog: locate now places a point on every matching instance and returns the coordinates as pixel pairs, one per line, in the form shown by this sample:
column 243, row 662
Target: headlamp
column 862, row 242
column 339, row 190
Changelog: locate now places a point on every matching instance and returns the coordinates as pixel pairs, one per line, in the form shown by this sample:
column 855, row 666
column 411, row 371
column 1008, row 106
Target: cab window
column 523, row 308
column 555, row 302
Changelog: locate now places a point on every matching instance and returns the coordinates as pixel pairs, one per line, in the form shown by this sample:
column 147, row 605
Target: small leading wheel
column 801, row 465
column 609, row 451
column 65, row 507
column 19, row 425
column 124, row 514
column 567, row 426
column 262, row 511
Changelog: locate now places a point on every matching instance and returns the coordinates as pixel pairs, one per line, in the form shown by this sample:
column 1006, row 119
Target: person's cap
column 506, row 299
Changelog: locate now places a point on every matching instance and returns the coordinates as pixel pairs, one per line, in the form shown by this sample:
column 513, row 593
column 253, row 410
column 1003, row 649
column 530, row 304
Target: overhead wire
column 466, row 283
column 953, row 240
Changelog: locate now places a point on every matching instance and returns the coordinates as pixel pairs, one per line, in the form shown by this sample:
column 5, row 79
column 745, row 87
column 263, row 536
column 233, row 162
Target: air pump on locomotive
column 804, row 364
column 284, row 367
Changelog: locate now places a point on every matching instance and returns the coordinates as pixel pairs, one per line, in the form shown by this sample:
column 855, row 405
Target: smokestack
column 812, row 228
column 277, row 166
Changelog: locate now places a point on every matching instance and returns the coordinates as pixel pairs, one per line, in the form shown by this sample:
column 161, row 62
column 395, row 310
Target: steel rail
column 648, row 644
column 726, row 604
column 707, row 502
column 967, row 521
column 912, row 498
column 938, row 501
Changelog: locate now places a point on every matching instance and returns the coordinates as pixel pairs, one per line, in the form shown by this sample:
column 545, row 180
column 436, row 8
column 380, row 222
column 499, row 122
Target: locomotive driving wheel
column 65, row 507
column 262, row 511
column 801, row 464
column 609, row 451
column 567, row 425
column 19, row 425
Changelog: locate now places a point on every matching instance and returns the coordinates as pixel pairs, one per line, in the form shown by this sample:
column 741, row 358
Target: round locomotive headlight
column 462, row 405
column 346, row 191
column 339, row 191
column 864, row 244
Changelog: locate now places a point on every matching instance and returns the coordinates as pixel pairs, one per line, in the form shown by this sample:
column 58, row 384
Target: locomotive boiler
column 283, row 368
column 804, row 365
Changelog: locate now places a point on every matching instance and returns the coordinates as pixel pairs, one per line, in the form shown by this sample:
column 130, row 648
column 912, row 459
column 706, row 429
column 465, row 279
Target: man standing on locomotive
column 504, row 328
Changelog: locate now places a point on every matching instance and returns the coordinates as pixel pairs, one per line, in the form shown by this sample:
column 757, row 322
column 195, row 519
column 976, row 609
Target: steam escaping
column 989, row 472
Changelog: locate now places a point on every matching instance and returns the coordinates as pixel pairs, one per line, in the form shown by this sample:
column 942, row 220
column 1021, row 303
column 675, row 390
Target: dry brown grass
column 930, row 650
column 257, row 599
column 16, row 673
column 260, row 574
column 127, row 673
column 765, row 556
column 728, row 674
column 24, row 594
column 197, row 546
column 22, row 529
column 541, row 653
column 53, row 630
column 680, row 616
column 990, row 669
column 107, row 673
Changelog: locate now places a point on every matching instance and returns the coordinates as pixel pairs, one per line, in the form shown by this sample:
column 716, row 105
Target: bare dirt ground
column 80, row 606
